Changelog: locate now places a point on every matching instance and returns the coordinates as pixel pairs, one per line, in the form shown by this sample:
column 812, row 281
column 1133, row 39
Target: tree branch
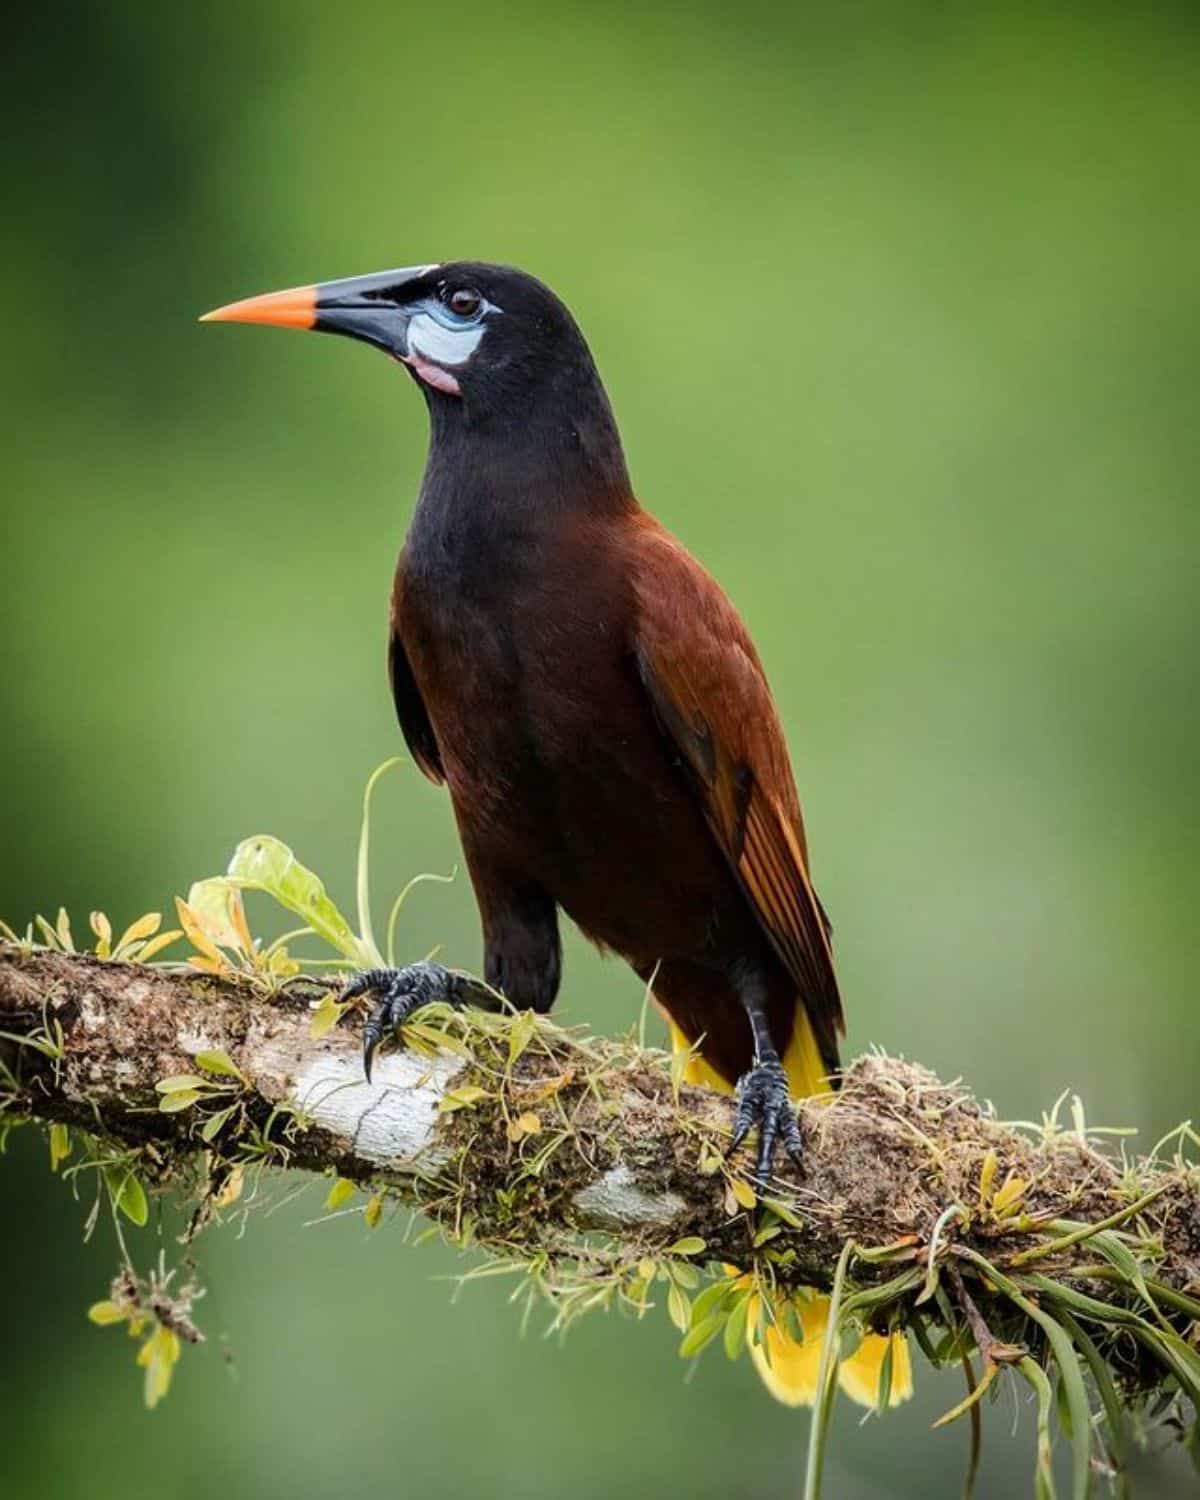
column 527, row 1139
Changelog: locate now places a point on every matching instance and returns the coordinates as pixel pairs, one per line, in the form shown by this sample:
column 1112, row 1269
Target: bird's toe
column 763, row 1100
column 400, row 992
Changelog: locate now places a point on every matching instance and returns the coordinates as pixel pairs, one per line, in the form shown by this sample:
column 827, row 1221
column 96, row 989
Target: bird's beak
column 363, row 307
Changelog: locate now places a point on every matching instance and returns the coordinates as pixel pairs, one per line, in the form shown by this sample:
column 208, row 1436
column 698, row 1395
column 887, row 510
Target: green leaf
column 263, row 863
column 1114, row 1412
column 735, row 1326
column 219, row 1062
column 711, row 1299
column 785, row 1211
column 520, row 1035
column 174, row 1103
column 1070, row 1373
column 465, row 1097
column 691, row 1244
column 178, row 1082
column 127, row 1194
column 212, row 1126
column 1043, row 1485
column 700, row 1335
column 1118, row 1255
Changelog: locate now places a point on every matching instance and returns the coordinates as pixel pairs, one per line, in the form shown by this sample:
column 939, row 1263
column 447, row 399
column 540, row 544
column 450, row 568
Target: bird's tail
column 788, row 1365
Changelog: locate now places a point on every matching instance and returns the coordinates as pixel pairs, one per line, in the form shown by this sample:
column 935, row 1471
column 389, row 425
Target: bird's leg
column 762, row 1093
column 402, row 991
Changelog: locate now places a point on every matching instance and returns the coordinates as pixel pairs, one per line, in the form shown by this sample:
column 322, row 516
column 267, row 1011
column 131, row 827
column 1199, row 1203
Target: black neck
column 552, row 449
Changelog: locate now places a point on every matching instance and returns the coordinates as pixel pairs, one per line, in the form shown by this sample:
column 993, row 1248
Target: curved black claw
column 401, row 992
column 763, row 1100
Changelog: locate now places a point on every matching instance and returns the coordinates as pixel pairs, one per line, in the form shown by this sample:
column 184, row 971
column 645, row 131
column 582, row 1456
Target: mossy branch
column 586, row 1164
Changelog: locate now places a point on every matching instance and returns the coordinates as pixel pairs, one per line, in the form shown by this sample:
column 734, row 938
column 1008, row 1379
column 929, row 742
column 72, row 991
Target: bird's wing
column 410, row 706
column 711, row 698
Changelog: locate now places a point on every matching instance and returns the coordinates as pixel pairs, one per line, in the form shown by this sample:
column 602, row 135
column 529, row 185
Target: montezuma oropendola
column 595, row 705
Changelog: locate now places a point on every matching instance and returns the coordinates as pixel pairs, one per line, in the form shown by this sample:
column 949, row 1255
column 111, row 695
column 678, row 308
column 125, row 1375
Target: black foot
column 763, row 1100
column 401, row 992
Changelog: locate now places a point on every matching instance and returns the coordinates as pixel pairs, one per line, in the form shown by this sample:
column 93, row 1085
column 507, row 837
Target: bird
column 602, row 719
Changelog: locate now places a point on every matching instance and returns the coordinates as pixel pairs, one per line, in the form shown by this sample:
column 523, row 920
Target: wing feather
column 414, row 718
column 711, row 699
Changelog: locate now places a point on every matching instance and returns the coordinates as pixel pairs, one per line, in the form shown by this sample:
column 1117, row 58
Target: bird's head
column 487, row 336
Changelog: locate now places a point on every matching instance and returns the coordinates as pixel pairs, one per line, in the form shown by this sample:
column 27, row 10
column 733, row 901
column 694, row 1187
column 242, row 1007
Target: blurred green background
column 898, row 308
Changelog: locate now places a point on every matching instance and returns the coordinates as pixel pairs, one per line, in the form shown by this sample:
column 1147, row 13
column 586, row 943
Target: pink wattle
column 434, row 375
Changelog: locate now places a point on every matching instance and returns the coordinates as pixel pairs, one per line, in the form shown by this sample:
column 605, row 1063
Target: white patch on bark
column 389, row 1120
column 93, row 1016
column 616, row 1201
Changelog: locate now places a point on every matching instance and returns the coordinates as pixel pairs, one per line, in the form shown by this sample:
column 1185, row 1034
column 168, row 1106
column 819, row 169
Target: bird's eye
column 465, row 302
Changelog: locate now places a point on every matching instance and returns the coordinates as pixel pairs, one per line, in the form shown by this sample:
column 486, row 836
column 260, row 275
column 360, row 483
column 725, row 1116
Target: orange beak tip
column 295, row 308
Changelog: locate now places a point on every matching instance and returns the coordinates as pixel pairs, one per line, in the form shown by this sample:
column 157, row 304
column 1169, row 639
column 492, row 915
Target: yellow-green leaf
column 1009, row 1194
column 60, row 1144
column 339, row 1193
column 785, row 1211
column 735, row 1327
column 102, row 927
column 520, row 1035
column 711, row 1299
column 218, row 1062
column 175, row 1103
column 212, row 903
column 372, row 1210
column 156, row 944
column 679, row 1308
column 63, row 928
column 144, row 927
column 742, row 1192
column 465, row 1097
column 212, row 1126
column 158, row 1355
column 700, row 1334
column 178, row 1082
column 691, row 1244
column 106, row 1313
column 325, row 1017
column 266, row 864
column 127, row 1194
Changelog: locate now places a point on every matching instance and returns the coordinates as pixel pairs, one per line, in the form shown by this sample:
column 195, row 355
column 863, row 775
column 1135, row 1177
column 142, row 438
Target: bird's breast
column 553, row 758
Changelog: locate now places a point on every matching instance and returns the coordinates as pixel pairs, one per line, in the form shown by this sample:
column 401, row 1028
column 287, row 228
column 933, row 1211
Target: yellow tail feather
column 789, row 1366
